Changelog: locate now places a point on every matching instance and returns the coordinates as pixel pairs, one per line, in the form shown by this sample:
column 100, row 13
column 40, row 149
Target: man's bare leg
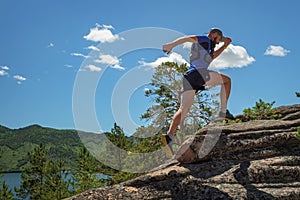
column 185, row 105
column 178, row 119
column 225, row 82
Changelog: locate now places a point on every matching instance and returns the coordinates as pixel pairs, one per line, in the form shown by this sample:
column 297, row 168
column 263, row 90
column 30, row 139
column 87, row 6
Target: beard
column 215, row 41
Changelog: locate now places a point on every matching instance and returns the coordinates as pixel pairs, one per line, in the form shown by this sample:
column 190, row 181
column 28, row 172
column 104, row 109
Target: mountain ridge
column 16, row 143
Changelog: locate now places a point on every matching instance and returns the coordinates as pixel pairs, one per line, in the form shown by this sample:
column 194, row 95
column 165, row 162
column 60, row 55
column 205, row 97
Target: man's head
column 216, row 35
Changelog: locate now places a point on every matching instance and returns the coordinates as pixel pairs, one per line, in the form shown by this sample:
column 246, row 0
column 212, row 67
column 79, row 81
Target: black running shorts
column 195, row 79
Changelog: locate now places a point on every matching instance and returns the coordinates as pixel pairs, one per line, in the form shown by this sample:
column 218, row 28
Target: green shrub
column 260, row 111
column 298, row 133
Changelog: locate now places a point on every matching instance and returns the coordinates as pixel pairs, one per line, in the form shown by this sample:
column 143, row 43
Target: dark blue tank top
column 200, row 56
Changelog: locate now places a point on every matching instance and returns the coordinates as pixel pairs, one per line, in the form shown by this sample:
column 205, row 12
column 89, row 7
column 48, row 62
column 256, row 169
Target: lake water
column 14, row 179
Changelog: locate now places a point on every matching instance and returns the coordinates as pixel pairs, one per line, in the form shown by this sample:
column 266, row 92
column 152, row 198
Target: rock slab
column 250, row 160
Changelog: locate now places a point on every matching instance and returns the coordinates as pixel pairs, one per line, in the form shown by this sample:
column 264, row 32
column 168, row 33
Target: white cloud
column 276, row 51
column 19, row 78
column 92, row 68
column 4, row 67
column 101, row 33
column 107, row 59
column 68, row 66
column 105, row 26
column 93, row 48
column 2, row 72
column 117, row 66
column 79, row 55
column 50, row 45
column 173, row 57
column 232, row 57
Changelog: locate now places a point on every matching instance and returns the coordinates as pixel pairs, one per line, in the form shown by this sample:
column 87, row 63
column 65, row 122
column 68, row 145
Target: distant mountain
column 16, row 143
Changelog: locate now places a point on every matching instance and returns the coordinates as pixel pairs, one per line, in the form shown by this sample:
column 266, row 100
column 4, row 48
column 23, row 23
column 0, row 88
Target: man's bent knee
column 225, row 78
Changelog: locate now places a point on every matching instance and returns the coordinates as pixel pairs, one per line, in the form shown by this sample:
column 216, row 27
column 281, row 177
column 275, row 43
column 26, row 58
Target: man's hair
column 216, row 30
column 219, row 32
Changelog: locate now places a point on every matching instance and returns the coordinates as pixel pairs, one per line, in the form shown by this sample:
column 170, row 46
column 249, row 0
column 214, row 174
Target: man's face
column 216, row 38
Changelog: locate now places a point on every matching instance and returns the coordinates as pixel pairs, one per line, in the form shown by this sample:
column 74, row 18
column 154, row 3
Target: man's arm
column 169, row 46
column 222, row 48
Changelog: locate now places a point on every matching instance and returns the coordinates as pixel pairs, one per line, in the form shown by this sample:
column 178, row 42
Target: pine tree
column 261, row 110
column 5, row 192
column 85, row 177
column 145, row 154
column 56, row 182
column 117, row 146
column 166, row 89
column 33, row 177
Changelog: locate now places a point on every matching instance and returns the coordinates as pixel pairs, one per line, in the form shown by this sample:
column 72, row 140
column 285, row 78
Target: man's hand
column 167, row 48
column 227, row 41
column 221, row 49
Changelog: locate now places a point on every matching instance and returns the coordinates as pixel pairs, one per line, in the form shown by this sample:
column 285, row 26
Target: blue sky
column 46, row 46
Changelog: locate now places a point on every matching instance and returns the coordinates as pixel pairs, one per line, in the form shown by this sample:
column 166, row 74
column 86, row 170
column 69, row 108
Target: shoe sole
column 167, row 147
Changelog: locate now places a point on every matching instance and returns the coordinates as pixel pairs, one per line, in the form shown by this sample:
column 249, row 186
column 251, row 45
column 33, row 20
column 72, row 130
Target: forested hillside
column 16, row 143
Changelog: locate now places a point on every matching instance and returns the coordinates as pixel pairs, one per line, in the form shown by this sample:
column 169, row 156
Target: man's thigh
column 215, row 79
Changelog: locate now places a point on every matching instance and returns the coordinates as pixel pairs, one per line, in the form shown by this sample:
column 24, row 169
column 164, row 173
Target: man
column 198, row 76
